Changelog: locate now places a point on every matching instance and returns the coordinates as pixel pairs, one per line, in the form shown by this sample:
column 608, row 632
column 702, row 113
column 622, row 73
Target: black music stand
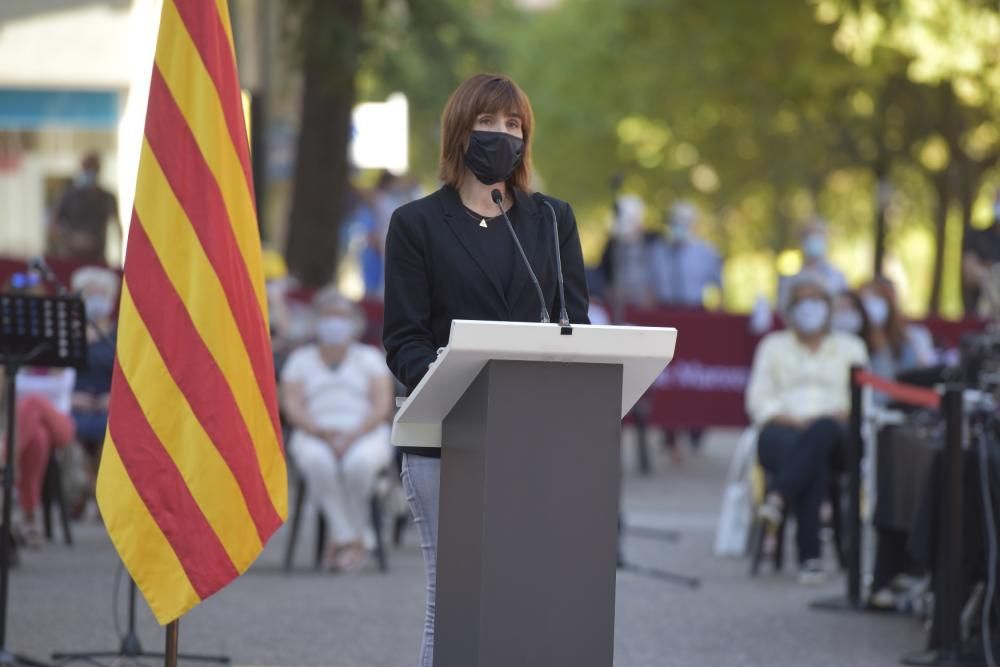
column 37, row 331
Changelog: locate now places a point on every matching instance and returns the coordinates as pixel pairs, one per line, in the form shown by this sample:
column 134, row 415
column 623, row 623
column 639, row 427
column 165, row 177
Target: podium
column 529, row 422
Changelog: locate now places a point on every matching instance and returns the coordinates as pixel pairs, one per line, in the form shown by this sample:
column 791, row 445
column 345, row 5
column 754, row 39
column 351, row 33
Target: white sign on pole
column 379, row 134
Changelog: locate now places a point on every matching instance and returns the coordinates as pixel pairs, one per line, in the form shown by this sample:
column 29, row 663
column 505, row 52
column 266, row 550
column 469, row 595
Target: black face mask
column 493, row 156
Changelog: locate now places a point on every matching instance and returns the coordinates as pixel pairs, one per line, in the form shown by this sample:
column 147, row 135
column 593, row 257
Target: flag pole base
column 131, row 647
column 113, row 657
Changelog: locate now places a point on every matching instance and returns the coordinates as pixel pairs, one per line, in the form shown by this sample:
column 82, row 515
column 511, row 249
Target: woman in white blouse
column 337, row 394
column 799, row 398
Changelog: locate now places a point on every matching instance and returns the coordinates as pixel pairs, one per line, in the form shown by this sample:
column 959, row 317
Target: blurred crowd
column 654, row 261
column 336, row 400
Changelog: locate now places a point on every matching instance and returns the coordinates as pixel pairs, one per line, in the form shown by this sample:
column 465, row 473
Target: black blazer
column 436, row 271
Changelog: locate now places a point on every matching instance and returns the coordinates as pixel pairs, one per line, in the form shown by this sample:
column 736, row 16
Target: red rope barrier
column 904, row 393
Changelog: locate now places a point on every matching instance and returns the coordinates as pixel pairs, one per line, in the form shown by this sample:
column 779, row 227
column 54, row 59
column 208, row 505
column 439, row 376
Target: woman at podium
column 453, row 255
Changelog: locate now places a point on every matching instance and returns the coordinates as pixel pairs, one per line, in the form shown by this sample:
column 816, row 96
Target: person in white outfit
column 337, row 395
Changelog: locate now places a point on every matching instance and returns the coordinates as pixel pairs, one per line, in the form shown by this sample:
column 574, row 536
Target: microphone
column 41, row 266
column 498, row 200
column 563, row 314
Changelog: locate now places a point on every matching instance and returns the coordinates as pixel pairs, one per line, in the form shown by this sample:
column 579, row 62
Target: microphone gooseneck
column 498, row 200
column 563, row 314
column 48, row 275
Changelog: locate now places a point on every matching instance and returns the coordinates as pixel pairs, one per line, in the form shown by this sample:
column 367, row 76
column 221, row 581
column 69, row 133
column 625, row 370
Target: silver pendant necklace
column 475, row 216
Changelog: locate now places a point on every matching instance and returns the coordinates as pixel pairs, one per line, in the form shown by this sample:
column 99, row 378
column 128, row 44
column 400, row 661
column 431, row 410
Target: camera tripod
column 131, row 647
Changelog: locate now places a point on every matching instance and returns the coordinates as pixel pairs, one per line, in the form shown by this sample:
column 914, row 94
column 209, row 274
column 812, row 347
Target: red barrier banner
column 704, row 384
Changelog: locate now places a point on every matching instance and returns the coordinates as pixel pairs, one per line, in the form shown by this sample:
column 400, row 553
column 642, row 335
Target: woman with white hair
column 798, row 397
column 337, row 395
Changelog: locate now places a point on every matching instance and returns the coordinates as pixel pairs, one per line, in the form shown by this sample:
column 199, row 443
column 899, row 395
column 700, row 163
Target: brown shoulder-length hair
column 483, row 93
column 895, row 326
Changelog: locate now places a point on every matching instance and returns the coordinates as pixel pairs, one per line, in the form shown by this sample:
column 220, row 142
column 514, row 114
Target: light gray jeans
column 422, row 484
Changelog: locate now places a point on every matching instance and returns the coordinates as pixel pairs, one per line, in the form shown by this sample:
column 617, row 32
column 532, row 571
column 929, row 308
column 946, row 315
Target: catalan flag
column 192, row 480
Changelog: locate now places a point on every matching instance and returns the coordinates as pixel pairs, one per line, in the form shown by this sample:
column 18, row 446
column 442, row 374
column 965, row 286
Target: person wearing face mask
column 980, row 254
column 99, row 290
column 82, row 216
column 798, row 397
column 682, row 264
column 849, row 315
column 893, row 345
column 451, row 256
column 625, row 262
column 815, row 242
column 337, row 397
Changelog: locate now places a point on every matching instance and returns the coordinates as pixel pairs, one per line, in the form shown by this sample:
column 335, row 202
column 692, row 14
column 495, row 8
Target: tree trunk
column 321, row 183
column 880, row 219
column 970, row 174
column 943, row 182
column 880, row 170
column 942, row 187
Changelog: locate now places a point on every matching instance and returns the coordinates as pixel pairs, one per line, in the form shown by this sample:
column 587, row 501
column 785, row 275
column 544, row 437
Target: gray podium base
column 530, row 480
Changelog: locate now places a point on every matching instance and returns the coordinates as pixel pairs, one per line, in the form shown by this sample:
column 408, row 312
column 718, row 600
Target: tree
column 948, row 49
column 351, row 49
column 329, row 51
column 765, row 114
column 761, row 112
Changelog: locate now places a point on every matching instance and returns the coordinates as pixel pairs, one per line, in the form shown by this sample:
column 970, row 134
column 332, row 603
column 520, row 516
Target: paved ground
column 63, row 599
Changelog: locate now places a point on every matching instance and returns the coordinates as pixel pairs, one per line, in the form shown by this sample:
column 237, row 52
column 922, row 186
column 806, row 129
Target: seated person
column 849, row 314
column 337, row 395
column 43, row 423
column 99, row 289
column 914, row 531
column 798, row 396
column 905, row 458
column 893, row 345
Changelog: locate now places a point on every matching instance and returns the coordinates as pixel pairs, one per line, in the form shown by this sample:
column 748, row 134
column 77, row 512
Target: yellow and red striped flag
column 192, row 480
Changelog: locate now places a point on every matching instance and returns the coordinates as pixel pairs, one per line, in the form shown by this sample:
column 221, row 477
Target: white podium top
column 643, row 353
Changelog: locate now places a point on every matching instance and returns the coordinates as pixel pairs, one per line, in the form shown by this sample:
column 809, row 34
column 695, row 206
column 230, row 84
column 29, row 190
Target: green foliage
column 424, row 49
column 764, row 114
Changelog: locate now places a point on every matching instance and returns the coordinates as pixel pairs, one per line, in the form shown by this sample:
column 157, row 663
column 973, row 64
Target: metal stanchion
column 854, row 454
column 946, row 632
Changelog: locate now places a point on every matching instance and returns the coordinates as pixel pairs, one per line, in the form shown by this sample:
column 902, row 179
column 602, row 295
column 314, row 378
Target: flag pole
column 170, row 654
